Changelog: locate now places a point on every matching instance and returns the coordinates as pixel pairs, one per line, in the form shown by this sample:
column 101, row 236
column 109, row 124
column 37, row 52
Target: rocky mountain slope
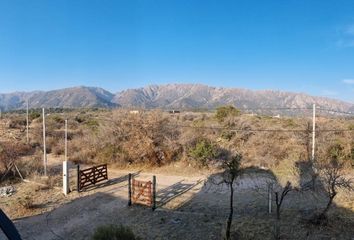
column 64, row 98
column 176, row 96
column 186, row 96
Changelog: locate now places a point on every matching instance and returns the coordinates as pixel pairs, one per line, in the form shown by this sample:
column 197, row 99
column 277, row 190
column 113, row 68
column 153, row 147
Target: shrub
column 92, row 124
column 226, row 111
column 57, row 147
column 290, row 123
column 10, row 152
column 114, row 233
column 80, row 118
column 336, row 151
column 228, row 135
column 26, row 202
column 17, row 122
column 58, row 119
column 110, row 153
column 33, row 165
column 203, row 152
column 34, row 115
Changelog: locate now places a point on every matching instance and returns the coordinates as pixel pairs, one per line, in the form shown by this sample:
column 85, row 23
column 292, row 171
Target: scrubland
column 190, row 144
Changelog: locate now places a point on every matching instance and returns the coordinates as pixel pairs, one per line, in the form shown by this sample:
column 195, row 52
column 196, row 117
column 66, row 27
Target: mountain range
column 169, row 96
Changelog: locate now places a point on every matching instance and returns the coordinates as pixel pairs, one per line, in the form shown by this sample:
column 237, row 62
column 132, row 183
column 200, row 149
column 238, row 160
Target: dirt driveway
column 108, row 205
column 188, row 208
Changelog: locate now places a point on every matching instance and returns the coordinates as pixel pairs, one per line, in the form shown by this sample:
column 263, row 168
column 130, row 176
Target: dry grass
column 156, row 138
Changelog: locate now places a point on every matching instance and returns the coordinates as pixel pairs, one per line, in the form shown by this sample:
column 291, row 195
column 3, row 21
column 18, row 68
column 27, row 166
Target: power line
column 274, row 108
column 231, row 129
column 239, row 129
column 292, row 108
column 336, row 111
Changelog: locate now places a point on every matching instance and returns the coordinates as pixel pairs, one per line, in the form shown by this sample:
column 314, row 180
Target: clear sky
column 294, row 45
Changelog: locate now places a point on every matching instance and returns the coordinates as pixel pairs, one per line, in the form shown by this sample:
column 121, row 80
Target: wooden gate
column 91, row 176
column 142, row 192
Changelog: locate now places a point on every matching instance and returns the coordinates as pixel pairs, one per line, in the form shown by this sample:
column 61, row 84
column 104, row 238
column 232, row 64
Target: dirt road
column 188, row 208
column 108, row 205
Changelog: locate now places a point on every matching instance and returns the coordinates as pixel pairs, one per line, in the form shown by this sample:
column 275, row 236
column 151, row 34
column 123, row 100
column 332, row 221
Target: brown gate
column 91, row 176
column 142, row 192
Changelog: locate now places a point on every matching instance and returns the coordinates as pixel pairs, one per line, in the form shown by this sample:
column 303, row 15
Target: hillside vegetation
column 157, row 138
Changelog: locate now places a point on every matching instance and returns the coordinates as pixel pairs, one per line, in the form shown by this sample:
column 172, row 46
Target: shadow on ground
column 200, row 217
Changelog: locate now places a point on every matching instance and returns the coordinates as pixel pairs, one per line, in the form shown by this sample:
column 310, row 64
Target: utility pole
column 66, row 140
column 314, row 174
column 65, row 163
column 44, row 145
column 27, row 121
column 313, row 132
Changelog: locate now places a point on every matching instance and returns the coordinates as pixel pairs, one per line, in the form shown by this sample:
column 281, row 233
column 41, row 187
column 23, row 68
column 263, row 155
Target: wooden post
column 313, row 132
column 65, row 178
column 27, row 123
column 94, row 170
column 66, row 141
column 313, row 157
column 270, row 190
column 78, row 178
column 65, row 163
column 153, row 193
column 129, row 189
column 44, row 145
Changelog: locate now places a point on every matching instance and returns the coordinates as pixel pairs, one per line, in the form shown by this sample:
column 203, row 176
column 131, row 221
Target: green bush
column 80, row 118
column 203, row 152
column 58, row 119
column 336, row 151
column 112, row 232
column 226, row 111
column 92, row 123
column 111, row 153
column 227, row 135
column 290, row 123
column 33, row 115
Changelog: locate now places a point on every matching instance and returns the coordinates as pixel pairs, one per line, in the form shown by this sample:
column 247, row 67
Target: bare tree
column 280, row 194
column 9, row 153
column 232, row 169
column 332, row 177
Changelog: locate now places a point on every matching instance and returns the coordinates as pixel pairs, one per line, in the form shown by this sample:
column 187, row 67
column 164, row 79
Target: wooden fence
column 91, row 176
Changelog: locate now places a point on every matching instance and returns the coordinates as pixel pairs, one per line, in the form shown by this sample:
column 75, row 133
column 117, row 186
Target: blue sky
column 293, row 45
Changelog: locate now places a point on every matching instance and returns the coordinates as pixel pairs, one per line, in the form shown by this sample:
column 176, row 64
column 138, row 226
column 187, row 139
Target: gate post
column 153, row 193
column 78, row 178
column 129, row 189
column 270, row 191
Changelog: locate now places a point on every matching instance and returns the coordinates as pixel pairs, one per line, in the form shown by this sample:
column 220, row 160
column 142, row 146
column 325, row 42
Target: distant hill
column 187, row 96
column 76, row 97
column 170, row 96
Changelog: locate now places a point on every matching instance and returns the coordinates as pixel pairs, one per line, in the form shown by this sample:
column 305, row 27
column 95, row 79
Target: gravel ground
column 188, row 208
